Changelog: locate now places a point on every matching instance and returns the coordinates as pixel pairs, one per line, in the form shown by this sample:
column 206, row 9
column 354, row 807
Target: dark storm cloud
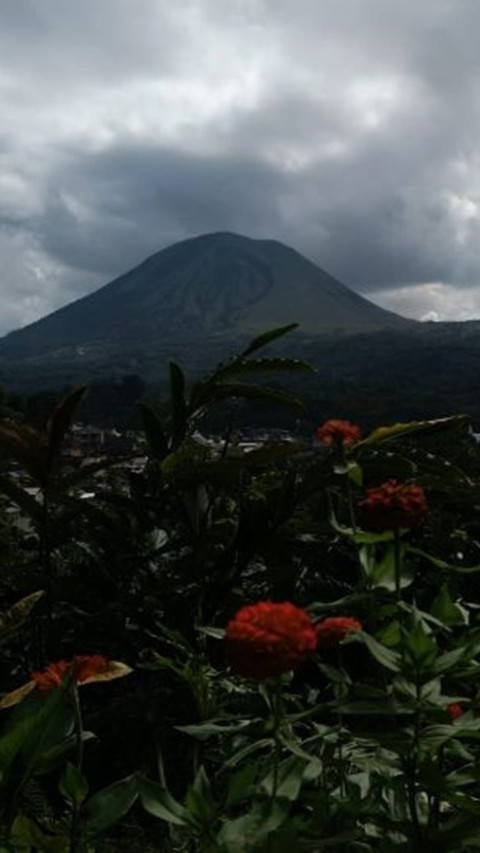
column 347, row 128
column 132, row 200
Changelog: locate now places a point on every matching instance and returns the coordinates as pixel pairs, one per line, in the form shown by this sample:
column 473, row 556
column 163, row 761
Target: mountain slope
column 208, row 290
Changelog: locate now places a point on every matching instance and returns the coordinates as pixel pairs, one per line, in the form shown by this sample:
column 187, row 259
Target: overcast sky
column 349, row 129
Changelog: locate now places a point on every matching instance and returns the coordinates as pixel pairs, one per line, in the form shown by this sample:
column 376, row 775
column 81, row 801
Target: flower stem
column 397, row 564
column 77, row 715
column 351, row 506
column 277, row 709
column 340, row 698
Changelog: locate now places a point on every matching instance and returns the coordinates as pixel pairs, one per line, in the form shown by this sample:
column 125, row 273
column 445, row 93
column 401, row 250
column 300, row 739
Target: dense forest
column 428, row 371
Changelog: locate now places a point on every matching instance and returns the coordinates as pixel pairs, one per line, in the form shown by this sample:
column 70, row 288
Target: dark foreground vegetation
column 206, row 649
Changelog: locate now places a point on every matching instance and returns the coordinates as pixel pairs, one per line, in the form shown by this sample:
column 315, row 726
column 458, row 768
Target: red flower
column 87, row 666
column 392, row 505
column 82, row 667
column 52, row 676
column 266, row 639
column 454, row 711
column 330, row 631
column 338, row 432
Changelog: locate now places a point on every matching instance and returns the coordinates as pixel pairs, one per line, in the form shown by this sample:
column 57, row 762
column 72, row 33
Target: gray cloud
column 347, row 129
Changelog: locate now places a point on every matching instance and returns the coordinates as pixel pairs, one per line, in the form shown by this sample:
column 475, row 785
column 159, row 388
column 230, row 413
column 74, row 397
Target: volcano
column 208, row 291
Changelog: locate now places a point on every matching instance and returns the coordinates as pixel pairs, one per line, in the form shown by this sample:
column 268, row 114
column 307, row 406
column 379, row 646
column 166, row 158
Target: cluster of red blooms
column 82, row 668
column 330, row 631
column 454, row 711
column 338, row 432
column 392, row 505
column 265, row 639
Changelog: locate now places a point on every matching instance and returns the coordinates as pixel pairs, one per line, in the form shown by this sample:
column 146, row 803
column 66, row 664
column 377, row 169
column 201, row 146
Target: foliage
column 370, row 744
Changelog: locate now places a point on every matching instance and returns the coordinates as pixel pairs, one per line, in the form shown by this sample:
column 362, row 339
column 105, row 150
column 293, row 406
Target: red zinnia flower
column 330, row 631
column 392, row 505
column 336, row 431
column 454, row 711
column 82, row 667
column 266, row 639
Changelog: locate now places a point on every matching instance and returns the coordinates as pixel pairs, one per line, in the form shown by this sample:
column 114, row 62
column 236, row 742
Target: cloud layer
column 347, row 129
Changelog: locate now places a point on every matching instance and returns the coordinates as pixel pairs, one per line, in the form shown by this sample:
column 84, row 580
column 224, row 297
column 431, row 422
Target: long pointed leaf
column 21, row 498
column 60, row 421
column 232, row 390
column 179, row 405
column 388, row 433
column 267, row 338
column 77, row 477
column 109, row 805
column 13, row 618
column 26, row 447
column 154, row 431
column 241, row 366
column 158, row 801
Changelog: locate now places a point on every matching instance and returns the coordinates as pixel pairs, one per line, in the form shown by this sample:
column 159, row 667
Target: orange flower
column 392, row 505
column 338, row 432
column 266, row 639
column 454, row 711
column 85, row 667
column 82, row 668
column 334, row 629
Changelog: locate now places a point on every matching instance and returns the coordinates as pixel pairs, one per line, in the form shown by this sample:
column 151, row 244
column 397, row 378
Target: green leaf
column 388, row 433
column 54, row 757
column 371, row 708
column 26, row 831
column 434, row 736
column 381, row 573
column 27, row 447
column 179, row 405
column 289, row 781
column 335, row 675
column 75, row 478
column 449, row 660
column 199, row 801
column 13, row 618
column 109, row 805
column 355, row 473
column 447, row 611
column 247, row 751
column 184, row 459
column 158, row 801
column 155, row 434
column 216, row 633
column 386, row 657
column 73, row 784
column 233, row 390
column 21, row 498
column 419, row 649
column 240, row 367
column 242, row 784
column 441, row 564
column 361, row 537
column 249, row 832
column 60, row 421
column 35, row 726
column 267, row 338
column 202, row 731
